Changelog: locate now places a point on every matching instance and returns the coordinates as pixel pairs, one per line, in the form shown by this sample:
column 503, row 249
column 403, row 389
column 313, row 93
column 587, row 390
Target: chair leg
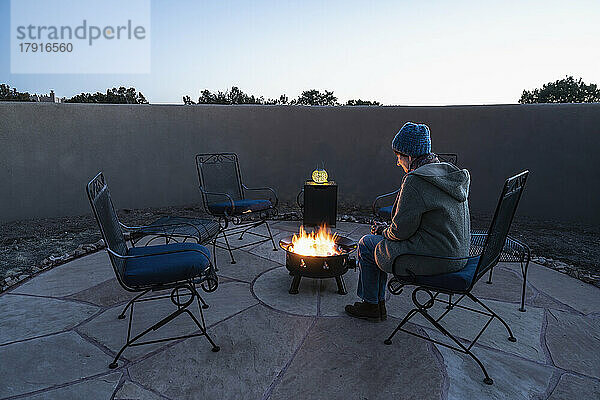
column 122, row 315
column 247, row 229
column 181, row 308
column 489, row 281
column 271, row 235
column 228, row 248
column 524, row 272
column 154, row 327
column 202, row 326
column 244, row 231
column 487, row 380
column 449, row 306
column 214, row 243
column 200, row 299
column 511, row 337
column 408, row 316
column 422, row 309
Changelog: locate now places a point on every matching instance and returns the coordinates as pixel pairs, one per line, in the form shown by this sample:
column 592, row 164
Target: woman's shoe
column 364, row 310
column 382, row 310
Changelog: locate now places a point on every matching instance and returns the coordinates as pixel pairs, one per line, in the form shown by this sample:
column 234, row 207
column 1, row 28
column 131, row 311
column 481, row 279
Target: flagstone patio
column 59, row 331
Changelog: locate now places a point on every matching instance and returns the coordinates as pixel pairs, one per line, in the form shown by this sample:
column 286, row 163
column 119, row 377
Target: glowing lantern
column 319, row 176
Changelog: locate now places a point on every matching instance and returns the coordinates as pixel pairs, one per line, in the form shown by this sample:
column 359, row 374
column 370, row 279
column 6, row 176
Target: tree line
column 119, row 95
column 567, row 90
column 311, row 97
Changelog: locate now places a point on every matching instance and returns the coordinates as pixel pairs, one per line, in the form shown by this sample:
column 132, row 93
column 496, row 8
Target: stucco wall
column 49, row 152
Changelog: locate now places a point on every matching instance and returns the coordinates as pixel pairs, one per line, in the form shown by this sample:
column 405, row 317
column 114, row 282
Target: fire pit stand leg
column 341, row 285
column 295, row 284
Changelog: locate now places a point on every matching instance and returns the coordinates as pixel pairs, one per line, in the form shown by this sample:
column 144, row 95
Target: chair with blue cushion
column 383, row 212
column 226, row 198
column 429, row 288
column 177, row 267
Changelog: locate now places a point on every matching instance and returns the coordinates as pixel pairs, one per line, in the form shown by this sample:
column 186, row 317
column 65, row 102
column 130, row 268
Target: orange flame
column 319, row 243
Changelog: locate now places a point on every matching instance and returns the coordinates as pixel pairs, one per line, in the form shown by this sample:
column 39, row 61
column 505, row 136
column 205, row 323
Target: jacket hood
column 447, row 177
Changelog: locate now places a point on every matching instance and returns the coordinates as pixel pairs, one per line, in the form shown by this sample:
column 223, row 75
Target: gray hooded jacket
column 430, row 217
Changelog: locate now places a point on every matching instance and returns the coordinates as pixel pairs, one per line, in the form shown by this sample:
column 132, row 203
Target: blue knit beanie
column 412, row 140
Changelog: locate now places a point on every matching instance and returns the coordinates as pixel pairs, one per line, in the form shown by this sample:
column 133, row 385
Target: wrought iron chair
column 461, row 282
column 224, row 197
column 178, row 267
column 384, row 213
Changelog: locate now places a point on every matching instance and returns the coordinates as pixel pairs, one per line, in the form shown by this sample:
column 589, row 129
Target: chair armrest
column 205, row 192
column 437, row 257
column 382, row 197
column 301, row 193
column 139, row 228
column 264, row 188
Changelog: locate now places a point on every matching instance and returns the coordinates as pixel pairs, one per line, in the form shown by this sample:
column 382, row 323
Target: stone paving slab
column 332, row 304
column 542, row 300
column 574, row 342
column 514, row 378
column 360, row 231
column 265, row 250
column 261, row 354
column 575, row 387
column 132, row 391
column 94, row 389
column 506, row 286
column 289, row 227
column 581, row 296
column 105, row 294
column 25, row 317
column 71, row 277
column 358, row 365
column 52, row 360
column 271, row 288
column 247, row 267
column 227, row 300
column 255, row 347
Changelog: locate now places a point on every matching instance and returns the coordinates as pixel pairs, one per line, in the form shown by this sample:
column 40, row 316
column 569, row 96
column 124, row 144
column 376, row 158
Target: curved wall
column 48, row 152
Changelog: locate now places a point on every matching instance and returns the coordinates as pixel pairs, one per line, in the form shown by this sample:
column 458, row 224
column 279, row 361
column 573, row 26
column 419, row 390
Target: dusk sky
column 396, row 52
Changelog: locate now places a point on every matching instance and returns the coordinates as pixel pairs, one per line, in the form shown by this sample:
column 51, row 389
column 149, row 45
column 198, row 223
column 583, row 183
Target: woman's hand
column 378, row 227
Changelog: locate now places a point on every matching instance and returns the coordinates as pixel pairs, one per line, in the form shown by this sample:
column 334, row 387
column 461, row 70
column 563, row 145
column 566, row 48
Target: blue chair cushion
column 385, row 212
column 240, row 206
column 166, row 268
column 454, row 281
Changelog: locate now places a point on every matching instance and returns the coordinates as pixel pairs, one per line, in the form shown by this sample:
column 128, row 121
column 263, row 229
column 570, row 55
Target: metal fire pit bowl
column 319, row 267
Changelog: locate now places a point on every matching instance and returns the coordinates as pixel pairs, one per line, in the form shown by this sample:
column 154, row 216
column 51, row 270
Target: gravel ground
column 25, row 244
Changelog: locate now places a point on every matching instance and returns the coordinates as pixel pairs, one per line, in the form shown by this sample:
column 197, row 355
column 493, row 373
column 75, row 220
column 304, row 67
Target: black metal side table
column 320, row 203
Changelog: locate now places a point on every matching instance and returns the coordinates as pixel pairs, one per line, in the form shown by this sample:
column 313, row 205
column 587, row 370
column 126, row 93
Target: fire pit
column 318, row 255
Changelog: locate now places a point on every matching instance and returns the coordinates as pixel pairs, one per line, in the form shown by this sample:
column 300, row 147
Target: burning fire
column 319, row 243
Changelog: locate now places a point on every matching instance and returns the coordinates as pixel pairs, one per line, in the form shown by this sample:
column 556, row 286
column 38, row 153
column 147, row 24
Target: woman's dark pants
column 372, row 281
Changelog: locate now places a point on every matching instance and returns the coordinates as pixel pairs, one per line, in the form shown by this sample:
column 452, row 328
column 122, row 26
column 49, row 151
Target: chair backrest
column 448, row 157
column 104, row 211
column 219, row 173
column 498, row 231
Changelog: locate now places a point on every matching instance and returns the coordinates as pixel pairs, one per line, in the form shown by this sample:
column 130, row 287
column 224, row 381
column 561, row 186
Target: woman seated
column 430, row 217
